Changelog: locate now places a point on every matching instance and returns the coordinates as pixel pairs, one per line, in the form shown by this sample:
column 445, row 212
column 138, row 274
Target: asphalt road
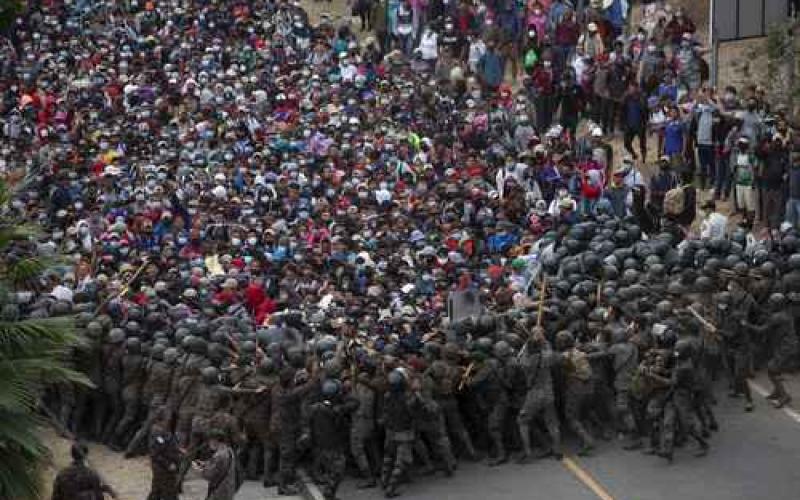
column 753, row 456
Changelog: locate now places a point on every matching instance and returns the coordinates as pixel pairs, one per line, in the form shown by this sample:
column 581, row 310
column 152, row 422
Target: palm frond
column 37, row 336
column 16, row 232
column 25, row 271
column 23, row 455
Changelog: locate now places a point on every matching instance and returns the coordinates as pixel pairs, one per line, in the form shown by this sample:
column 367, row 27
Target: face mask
column 252, row 241
column 236, row 242
column 547, row 64
column 651, row 48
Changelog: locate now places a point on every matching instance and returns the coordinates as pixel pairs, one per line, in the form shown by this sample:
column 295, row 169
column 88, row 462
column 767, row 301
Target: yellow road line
column 586, row 478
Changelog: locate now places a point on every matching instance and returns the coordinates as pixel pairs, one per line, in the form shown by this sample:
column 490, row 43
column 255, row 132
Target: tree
column 33, row 356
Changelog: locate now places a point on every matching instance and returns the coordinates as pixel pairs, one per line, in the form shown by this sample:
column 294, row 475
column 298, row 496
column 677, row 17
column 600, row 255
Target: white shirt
column 713, row 226
column 634, row 178
column 61, row 292
column 476, row 50
column 348, row 72
column 383, row 196
column 429, row 45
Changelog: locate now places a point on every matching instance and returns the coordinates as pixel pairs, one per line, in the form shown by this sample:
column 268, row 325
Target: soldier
column 401, row 403
column 212, row 397
column 655, row 384
column 89, row 360
column 165, row 457
column 492, row 387
column 537, row 365
column 445, row 397
column 78, row 480
column 738, row 348
column 679, row 410
column 133, row 376
column 783, row 345
column 155, row 392
column 602, row 371
column 113, row 352
column 285, row 422
column 362, row 428
column 328, row 419
column 183, row 397
column 577, row 388
column 209, row 397
column 625, row 361
column 430, row 424
column 220, row 469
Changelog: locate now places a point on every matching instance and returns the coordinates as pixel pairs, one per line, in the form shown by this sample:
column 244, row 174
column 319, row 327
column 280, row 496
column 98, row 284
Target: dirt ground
column 130, row 478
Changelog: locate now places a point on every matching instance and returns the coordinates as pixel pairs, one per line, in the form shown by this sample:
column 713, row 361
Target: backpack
column 675, row 201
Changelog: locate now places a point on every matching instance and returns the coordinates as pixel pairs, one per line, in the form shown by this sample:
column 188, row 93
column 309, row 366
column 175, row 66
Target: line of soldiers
column 624, row 347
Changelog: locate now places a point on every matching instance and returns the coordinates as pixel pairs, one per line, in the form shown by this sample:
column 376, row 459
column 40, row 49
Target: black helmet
column 675, row 288
column 579, row 308
column 171, row 355
column 502, row 350
column 116, row 336
column 777, row 300
column 133, row 345
column 768, row 268
column 157, row 352
column 484, row 345
column 741, row 269
column 210, row 375
column 793, row 262
column 564, row 340
column 703, row 284
column 397, row 379
column 94, row 329
column 664, row 308
column 331, row 388
column 134, row 313
column 630, row 276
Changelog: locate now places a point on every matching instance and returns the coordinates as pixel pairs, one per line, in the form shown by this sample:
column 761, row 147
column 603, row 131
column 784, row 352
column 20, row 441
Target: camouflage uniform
column 398, row 416
column 362, row 427
column 540, row 399
column 133, row 376
column 165, row 461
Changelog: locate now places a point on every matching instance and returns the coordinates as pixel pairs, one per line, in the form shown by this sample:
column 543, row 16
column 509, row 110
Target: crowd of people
column 287, row 242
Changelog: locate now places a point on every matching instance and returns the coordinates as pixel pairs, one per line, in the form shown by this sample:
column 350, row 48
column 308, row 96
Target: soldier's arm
column 301, row 391
column 349, row 406
column 598, row 355
column 482, row 374
column 760, row 329
column 658, row 379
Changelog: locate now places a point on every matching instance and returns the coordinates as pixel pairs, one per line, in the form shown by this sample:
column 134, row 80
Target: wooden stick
column 124, row 289
column 542, row 295
column 466, row 376
column 599, row 293
column 709, row 326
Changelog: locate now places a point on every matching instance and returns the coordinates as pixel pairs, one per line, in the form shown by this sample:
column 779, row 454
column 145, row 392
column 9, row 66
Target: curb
column 310, row 490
